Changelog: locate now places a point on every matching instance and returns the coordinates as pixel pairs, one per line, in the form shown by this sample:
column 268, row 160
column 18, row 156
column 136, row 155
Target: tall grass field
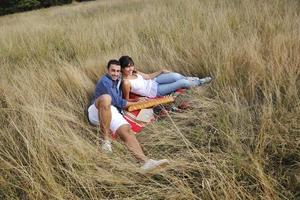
column 240, row 140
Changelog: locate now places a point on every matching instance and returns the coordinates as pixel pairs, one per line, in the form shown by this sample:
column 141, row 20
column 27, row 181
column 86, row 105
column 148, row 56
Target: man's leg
column 122, row 128
column 104, row 113
column 124, row 132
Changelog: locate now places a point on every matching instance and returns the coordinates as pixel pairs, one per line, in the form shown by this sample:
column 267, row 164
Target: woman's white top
column 143, row 87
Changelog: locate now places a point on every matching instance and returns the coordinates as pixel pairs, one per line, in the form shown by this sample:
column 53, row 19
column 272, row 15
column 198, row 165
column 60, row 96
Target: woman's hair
column 125, row 61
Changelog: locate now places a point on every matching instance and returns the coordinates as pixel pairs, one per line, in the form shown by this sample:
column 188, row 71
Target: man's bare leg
column 131, row 143
column 103, row 104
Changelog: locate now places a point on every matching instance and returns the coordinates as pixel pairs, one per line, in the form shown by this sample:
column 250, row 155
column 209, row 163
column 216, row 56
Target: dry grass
column 241, row 140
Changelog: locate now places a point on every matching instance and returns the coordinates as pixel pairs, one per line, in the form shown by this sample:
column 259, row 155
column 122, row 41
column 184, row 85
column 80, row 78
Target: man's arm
column 117, row 100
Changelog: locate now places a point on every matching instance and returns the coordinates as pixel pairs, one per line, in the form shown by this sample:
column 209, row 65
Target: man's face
column 114, row 71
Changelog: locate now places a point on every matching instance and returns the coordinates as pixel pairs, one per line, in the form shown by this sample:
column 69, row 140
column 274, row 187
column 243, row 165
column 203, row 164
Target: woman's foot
column 207, row 79
column 194, row 78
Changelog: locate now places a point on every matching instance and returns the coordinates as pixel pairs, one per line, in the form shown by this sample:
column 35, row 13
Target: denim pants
column 170, row 82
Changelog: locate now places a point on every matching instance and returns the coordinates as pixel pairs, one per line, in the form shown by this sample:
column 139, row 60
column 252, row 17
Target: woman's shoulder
column 141, row 74
column 132, row 77
column 126, row 81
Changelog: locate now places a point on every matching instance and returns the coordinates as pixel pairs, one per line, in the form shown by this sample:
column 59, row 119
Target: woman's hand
column 133, row 100
column 141, row 99
column 165, row 71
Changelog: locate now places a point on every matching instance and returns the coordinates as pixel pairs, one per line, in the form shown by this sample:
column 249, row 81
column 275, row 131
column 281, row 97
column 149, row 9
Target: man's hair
column 126, row 61
column 112, row 62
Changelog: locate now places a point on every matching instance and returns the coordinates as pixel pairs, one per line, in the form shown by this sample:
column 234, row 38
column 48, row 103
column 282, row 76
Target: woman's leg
column 173, row 77
column 165, row 89
column 169, row 77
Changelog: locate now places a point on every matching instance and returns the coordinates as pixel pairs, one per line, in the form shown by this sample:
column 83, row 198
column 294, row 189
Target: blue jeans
column 170, row 82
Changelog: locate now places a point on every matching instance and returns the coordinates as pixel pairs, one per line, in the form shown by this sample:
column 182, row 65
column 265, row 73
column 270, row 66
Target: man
column 107, row 105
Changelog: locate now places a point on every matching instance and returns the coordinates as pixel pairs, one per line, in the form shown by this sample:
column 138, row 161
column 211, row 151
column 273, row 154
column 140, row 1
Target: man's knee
column 125, row 133
column 103, row 102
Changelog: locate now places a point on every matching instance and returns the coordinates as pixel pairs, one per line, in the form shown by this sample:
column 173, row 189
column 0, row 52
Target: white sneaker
column 194, row 78
column 152, row 164
column 106, row 146
column 205, row 80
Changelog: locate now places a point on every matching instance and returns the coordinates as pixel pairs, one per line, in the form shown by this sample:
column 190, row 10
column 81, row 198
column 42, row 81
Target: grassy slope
column 241, row 140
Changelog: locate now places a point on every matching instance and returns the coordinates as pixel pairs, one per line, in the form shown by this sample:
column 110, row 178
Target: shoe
column 194, row 78
column 205, row 80
column 106, row 146
column 153, row 164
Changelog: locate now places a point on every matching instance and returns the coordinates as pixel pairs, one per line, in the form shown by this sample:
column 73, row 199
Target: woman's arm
column 126, row 91
column 153, row 75
column 137, row 101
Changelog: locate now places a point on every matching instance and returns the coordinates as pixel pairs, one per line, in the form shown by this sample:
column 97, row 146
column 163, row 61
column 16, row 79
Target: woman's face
column 127, row 71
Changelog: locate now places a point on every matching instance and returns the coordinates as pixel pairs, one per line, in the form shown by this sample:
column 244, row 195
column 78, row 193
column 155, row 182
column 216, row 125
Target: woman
column 159, row 83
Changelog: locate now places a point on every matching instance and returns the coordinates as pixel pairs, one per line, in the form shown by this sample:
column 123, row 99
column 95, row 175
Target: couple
column 159, row 83
column 108, row 103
